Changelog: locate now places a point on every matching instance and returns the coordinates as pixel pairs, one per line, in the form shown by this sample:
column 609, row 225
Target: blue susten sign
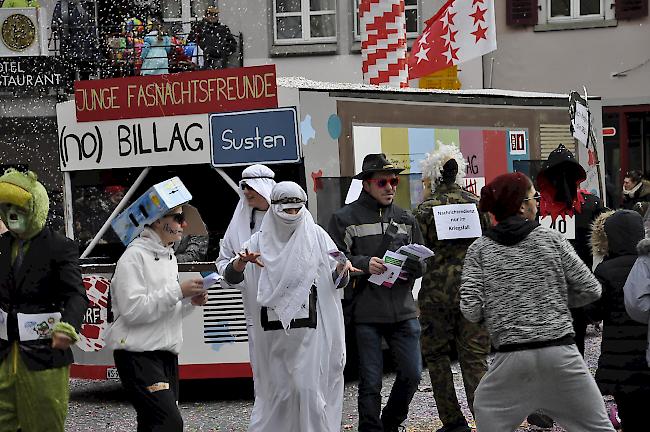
column 249, row 137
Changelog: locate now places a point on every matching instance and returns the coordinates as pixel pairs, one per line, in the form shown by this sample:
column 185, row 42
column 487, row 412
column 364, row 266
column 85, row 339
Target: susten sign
column 201, row 92
column 260, row 136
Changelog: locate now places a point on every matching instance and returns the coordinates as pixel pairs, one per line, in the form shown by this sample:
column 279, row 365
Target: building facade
column 559, row 46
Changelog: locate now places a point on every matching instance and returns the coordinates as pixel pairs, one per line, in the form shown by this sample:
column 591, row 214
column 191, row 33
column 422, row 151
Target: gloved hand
column 410, row 268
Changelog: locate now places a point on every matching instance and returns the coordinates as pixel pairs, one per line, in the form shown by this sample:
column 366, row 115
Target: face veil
column 290, row 251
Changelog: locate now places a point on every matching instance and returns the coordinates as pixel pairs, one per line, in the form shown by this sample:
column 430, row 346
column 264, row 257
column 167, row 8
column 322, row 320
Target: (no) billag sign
column 457, row 221
column 128, row 143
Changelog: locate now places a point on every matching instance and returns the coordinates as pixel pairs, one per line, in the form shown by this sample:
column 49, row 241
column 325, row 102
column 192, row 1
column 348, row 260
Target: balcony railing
column 117, row 52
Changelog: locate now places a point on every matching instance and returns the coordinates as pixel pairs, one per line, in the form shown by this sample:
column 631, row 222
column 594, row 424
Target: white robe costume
column 299, row 371
column 239, row 231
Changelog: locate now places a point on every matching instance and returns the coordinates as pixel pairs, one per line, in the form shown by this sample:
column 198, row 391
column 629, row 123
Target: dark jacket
column 638, row 201
column 214, row 38
column 622, row 366
column 359, row 229
column 49, row 280
column 591, row 208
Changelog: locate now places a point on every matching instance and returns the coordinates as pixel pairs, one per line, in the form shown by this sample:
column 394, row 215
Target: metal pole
column 67, row 206
column 118, row 209
column 491, row 71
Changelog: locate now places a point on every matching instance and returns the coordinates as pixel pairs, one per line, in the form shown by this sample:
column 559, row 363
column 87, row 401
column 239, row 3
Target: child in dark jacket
column 622, row 369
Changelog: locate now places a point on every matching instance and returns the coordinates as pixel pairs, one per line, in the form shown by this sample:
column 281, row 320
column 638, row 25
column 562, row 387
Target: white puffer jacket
column 147, row 298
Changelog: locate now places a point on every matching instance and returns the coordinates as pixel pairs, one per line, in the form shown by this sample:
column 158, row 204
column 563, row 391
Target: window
column 172, row 10
column 410, row 10
column 304, row 21
column 572, row 14
column 182, row 12
column 564, row 10
column 198, row 7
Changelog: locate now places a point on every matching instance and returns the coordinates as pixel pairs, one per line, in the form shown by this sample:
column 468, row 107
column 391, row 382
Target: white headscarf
column 290, row 251
column 260, row 178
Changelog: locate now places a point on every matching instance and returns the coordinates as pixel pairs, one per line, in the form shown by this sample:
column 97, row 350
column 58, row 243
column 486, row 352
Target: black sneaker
column 540, row 420
column 456, row 427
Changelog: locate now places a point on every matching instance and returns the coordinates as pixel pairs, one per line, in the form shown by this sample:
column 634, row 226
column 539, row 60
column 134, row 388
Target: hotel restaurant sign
column 23, row 73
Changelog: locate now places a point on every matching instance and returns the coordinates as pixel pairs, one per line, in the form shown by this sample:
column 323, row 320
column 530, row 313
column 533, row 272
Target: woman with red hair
column 520, row 279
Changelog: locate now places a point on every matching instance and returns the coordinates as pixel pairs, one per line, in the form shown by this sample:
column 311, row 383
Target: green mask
column 17, row 218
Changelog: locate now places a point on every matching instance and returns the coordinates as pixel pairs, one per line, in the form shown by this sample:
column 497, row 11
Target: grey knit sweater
column 523, row 292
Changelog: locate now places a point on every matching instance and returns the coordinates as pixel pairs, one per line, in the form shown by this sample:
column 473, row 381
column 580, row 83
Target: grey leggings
column 554, row 380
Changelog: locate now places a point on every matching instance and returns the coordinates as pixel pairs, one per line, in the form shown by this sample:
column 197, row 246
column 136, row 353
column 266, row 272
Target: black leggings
column 151, row 381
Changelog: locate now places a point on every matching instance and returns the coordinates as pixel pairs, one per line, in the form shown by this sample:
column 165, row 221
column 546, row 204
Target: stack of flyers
column 393, row 262
column 416, row 251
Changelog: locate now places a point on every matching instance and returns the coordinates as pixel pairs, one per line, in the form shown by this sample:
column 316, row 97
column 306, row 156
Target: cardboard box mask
column 154, row 204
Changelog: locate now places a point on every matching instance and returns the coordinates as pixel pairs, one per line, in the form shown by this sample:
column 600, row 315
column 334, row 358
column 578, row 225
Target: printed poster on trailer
column 517, row 142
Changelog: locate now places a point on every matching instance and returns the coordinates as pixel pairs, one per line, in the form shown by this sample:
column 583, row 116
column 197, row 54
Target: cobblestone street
column 225, row 406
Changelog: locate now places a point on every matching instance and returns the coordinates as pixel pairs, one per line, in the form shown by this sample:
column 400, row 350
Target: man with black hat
column 364, row 230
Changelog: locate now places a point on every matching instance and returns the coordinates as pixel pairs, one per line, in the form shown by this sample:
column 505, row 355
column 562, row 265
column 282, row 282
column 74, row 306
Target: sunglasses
column 178, row 217
column 382, row 182
column 535, row 197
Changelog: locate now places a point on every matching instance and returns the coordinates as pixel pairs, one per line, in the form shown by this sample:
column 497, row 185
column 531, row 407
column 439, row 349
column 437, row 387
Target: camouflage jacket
column 441, row 281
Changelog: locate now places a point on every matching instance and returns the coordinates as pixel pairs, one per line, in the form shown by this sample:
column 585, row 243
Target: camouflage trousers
column 443, row 326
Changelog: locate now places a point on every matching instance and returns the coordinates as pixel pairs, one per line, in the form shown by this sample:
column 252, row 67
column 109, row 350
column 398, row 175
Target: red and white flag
column 460, row 31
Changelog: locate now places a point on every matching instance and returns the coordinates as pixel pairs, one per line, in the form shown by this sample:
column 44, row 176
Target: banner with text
column 179, row 140
column 224, row 90
column 262, row 136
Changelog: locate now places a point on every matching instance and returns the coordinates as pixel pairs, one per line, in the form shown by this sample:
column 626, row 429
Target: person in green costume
column 20, row 3
column 40, row 286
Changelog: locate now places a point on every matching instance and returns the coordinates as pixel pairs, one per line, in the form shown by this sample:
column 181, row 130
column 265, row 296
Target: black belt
column 564, row 340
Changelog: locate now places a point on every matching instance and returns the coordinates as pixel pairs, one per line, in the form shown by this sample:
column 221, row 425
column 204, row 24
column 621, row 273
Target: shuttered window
column 525, row 12
column 630, row 9
column 552, row 135
column 521, row 12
